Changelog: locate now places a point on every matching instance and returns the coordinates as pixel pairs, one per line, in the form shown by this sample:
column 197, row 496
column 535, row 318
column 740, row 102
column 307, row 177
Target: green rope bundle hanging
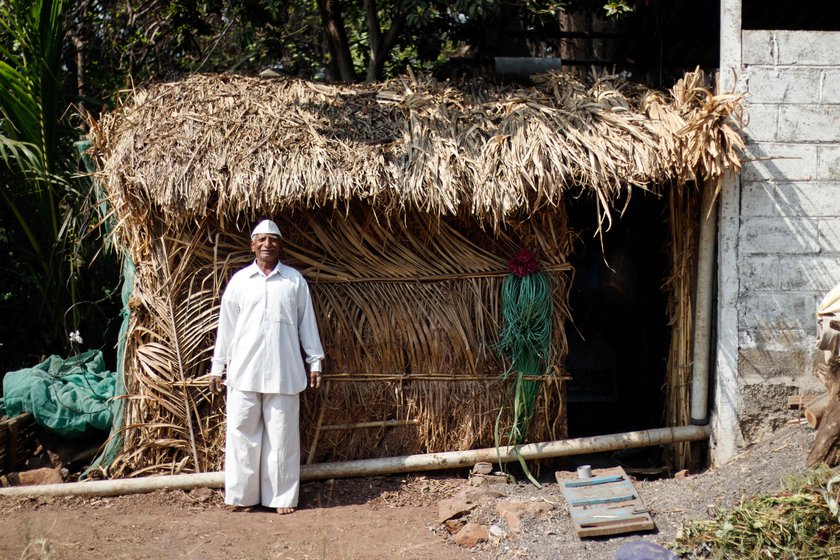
column 525, row 340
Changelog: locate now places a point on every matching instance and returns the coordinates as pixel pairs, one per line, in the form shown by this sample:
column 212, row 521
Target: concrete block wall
column 788, row 239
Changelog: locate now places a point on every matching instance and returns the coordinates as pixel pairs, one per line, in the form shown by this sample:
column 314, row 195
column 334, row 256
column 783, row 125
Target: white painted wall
column 789, row 236
column 779, row 233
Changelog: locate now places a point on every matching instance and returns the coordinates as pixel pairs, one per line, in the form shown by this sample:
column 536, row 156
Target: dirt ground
column 389, row 517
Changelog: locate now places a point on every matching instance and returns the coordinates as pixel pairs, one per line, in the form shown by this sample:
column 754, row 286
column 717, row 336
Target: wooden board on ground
column 606, row 504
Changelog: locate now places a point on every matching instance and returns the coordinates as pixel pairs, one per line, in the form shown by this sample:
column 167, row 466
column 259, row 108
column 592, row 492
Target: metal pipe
column 388, row 465
column 703, row 307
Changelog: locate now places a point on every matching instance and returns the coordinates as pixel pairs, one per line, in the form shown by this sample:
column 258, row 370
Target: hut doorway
column 619, row 336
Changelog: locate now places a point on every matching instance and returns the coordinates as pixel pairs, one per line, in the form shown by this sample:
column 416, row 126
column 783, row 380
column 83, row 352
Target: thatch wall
column 402, row 203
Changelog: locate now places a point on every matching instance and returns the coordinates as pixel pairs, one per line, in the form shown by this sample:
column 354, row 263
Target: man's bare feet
column 242, row 509
column 285, row 510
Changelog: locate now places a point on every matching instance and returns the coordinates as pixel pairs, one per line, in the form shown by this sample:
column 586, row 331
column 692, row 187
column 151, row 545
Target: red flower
column 523, row 263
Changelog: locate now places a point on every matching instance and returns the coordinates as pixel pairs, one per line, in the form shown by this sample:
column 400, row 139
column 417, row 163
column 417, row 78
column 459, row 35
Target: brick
column 829, row 240
column 779, row 311
column 797, row 48
column 809, row 123
column 762, row 122
column 809, row 273
column 759, row 273
column 775, row 366
column 828, row 162
column 779, row 162
column 768, row 84
column 813, row 199
column 774, row 339
column 829, row 86
column 779, row 236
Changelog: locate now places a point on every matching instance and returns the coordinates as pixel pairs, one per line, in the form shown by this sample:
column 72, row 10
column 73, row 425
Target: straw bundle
column 683, row 207
column 402, row 202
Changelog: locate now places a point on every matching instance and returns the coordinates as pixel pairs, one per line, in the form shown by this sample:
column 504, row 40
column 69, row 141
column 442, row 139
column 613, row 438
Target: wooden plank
column 600, row 517
column 611, row 521
column 617, row 528
column 609, row 506
column 610, row 500
column 593, row 481
column 800, row 401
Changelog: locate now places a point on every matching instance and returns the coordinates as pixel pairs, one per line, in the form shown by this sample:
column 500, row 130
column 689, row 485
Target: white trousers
column 262, row 449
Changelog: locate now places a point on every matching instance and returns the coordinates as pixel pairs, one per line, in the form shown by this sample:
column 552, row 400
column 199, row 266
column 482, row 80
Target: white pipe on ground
column 389, row 465
column 703, row 307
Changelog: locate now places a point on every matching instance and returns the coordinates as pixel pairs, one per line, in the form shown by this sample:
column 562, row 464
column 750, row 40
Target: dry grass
column 238, row 147
column 683, row 205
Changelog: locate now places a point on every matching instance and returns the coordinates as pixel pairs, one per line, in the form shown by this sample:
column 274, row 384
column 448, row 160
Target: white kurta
column 264, row 322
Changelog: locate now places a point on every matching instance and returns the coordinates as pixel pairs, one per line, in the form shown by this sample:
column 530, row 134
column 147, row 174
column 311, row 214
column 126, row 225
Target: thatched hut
column 402, row 203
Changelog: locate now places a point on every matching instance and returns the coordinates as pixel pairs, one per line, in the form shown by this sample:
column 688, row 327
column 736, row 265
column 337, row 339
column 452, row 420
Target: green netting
column 115, row 441
column 68, row 396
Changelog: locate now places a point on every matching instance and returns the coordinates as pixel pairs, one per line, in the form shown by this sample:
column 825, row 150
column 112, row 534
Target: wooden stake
column 310, row 458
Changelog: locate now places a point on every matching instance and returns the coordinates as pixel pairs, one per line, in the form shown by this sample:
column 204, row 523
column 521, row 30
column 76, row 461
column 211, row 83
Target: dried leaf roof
column 242, row 146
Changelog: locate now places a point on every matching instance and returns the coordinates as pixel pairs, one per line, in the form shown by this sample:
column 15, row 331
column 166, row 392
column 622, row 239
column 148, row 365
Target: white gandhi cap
column 266, row 226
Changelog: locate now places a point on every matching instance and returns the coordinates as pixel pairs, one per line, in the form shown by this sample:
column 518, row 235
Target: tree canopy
column 332, row 40
column 61, row 57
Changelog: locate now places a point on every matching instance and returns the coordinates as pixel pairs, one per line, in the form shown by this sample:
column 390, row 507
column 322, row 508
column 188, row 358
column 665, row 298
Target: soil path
column 371, row 518
column 344, row 520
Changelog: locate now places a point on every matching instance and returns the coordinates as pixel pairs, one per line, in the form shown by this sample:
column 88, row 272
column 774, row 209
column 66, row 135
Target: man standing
column 266, row 318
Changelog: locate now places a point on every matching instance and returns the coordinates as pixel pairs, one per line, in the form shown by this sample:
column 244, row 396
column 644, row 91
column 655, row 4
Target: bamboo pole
column 310, row 458
column 703, row 306
column 389, row 465
column 371, row 424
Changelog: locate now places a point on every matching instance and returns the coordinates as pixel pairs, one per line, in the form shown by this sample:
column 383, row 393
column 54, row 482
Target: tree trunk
column 380, row 45
column 826, row 448
column 341, row 61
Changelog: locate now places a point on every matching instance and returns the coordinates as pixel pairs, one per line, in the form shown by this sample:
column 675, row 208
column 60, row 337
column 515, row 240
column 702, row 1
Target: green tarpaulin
column 68, row 396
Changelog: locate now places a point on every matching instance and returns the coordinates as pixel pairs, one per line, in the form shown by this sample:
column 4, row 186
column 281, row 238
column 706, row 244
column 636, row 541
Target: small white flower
column 75, row 337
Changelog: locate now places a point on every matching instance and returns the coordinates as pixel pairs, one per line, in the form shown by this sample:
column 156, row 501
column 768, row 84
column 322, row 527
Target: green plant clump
column 796, row 524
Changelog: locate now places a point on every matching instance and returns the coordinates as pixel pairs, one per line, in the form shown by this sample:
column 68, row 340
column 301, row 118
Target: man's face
column 266, row 247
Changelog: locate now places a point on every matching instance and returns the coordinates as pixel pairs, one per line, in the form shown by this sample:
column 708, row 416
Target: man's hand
column 314, row 379
column 216, row 385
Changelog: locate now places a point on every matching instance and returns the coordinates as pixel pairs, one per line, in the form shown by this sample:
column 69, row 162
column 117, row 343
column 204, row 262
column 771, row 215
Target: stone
column 454, row 507
column 496, row 535
column 482, row 468
column 37, row 477
column 536, row 509
column 464, row 501
column 513, row 521
column 471, row 535
column 454, row 525
column 488, row 479
column 512, row 512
